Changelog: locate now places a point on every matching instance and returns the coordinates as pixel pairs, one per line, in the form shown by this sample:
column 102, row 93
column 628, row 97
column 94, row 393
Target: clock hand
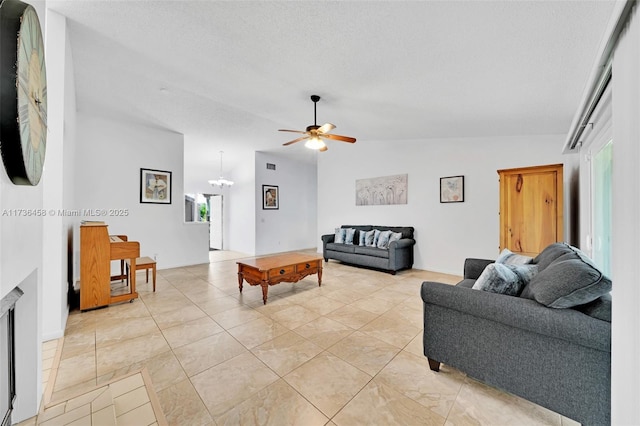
column 36, row 103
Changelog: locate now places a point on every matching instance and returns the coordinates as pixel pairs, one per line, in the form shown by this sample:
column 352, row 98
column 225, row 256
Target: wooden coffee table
column 271, row 270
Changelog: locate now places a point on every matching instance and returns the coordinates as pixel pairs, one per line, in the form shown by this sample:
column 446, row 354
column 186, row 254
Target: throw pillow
column 383, row 239
column 340, row 234
column 361, row 236
column 568, row 283
column 369, row 238
column 395, row 236
column 376, row 235
column 348, row 235
column 505, row 279
column 508, row 257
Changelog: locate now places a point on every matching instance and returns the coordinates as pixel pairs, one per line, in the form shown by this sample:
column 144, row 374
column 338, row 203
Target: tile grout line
column 53, row 374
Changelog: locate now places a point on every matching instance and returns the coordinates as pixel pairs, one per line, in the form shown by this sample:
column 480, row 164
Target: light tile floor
column 346, row 353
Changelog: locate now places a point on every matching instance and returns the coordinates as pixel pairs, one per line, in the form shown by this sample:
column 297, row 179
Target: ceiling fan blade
column 339, row 138
column 294, row 131
column 326, row 128
column 296, row 140
column 323, row 149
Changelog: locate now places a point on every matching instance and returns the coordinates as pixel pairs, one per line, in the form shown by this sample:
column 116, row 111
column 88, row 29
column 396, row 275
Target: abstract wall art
column 382, row 190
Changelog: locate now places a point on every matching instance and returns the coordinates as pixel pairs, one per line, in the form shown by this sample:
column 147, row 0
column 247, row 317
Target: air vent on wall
column 271, row 166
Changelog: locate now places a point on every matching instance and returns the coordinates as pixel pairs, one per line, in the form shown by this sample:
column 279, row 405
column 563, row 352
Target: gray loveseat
column 559, row 358
column 399, row 254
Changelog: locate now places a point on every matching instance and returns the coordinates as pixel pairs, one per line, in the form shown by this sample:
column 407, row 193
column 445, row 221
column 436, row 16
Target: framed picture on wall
column 452, row 189
column 270, row 197
column 155, row 186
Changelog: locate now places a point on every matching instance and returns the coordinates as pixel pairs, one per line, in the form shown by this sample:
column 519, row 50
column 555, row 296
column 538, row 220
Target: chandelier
column 221, row 181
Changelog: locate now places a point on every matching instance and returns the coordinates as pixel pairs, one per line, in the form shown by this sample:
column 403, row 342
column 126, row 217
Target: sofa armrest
column 329, row 238
column 402, row 243
column 474, row 267
column 566, row 324
column 326, row 239
column 401, row 254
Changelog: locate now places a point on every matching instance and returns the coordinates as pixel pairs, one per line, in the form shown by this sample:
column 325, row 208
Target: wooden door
column 531, row 206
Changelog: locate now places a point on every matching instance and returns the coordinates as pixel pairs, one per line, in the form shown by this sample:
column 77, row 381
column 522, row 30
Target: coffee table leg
column 265, row 290
column 240, row 281
column 320, row 275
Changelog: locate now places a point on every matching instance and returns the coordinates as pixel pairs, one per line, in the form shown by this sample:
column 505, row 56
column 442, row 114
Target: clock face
column 23, row 132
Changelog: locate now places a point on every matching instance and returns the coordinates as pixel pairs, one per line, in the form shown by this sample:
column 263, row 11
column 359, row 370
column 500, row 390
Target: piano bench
column 145, row 263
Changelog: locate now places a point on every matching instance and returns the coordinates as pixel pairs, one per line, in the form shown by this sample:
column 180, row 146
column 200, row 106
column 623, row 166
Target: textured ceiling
column 229, row 74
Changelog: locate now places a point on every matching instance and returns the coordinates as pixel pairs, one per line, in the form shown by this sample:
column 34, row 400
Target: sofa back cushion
column 406, row 231
column 551, row 253
column 571, row 279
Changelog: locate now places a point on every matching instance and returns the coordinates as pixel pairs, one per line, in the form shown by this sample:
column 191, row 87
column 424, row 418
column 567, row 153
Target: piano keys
column 97, row 250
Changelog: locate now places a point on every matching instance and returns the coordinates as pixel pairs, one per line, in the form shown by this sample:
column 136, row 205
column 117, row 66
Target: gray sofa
column 559, row 358
column 398, row 256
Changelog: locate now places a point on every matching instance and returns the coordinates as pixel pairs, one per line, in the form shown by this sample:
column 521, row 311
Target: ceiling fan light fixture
column 314, row 133
column 315, row 143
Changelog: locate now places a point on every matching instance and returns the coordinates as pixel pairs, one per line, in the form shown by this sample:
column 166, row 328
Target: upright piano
column 97, row 250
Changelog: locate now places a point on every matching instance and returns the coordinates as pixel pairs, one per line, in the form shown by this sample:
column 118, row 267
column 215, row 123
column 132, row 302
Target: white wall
column 109, row 157
column 293, row 225
column 58, row 169
column 240, row 208
column 625, row 353
column 448, row 233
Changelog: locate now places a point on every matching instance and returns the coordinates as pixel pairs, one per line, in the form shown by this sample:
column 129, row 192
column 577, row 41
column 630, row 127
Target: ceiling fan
column 314, row 134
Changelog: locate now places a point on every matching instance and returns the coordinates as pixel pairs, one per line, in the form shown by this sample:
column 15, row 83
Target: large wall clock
column 23, row 93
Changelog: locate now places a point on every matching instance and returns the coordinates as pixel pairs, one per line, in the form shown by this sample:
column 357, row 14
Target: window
column 596, row 167
column 601, row 170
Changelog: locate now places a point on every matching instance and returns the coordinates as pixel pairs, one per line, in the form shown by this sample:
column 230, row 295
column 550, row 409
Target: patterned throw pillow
column 505, row 279
column 395, row 236
column 369, row 238
column 348, row 235
column 361, row 236
column 340, row 234
column 376, row 235
column 507, row 257
column 383, row 240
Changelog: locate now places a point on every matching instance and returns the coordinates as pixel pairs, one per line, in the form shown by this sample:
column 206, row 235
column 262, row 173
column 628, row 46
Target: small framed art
column 270, row 197
column 155, row 186
column 452, row 189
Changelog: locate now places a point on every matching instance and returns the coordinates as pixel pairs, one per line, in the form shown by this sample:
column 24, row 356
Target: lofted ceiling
column 228, row 74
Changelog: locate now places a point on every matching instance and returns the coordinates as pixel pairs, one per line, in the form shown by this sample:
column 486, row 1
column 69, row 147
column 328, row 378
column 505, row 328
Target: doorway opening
column 215, row 217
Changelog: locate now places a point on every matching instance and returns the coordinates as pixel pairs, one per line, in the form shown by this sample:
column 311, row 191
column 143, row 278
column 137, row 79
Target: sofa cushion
column 551, row 253
column 383, row 240
column 345, row 248
column 339, row 235
column 568, row 282
column 508, row 257
column 505, row 279
column 348, row 235
column 372, row 251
